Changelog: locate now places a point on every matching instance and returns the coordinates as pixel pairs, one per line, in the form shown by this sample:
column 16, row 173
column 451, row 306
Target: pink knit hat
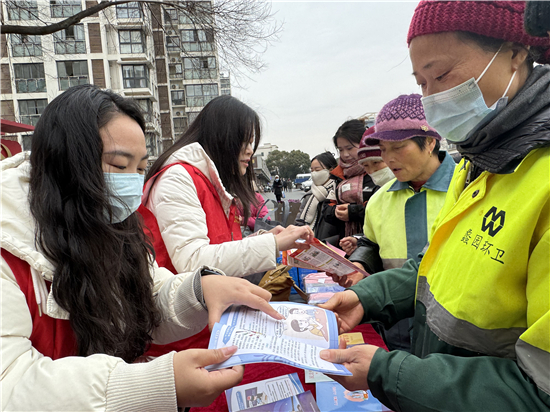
column 497, row 19
column 367, row 151
column 401, row 119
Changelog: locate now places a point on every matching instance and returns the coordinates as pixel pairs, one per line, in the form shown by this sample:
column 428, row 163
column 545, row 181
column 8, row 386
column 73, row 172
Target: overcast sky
column 335, row 61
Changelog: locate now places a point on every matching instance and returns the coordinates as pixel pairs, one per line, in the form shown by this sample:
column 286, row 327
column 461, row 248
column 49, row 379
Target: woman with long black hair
column 82, row 297
column 195, row 189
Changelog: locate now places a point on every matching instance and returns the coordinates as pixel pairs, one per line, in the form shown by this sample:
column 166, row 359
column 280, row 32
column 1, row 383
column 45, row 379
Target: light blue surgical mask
column 125, row 193
column 456, row 112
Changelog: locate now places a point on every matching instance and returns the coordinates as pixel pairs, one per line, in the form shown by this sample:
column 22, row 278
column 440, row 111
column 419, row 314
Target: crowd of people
column 112, row 274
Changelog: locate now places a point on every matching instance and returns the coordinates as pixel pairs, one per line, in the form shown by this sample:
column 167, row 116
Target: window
column 146, row 109
column 173, row 43
column 70, row 41
column 72, row 73
column 29, row 78
column 180, row 124
column 197, row 40
column 199, row 95
column 192, row 116
column 178, row 98
column 200, row 14
column 130, row 10
column 30, row 110
column 175, row 70
column 22, row 10
column 25, row 45
column 199, row 67
column 135, row 76
column 131, row 41
column 65, row 8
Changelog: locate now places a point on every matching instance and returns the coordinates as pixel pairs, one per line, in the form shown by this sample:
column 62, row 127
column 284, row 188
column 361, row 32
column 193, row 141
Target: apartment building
column 152, row 52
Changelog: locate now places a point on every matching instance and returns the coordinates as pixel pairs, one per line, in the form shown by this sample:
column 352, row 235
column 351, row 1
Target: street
column 295, row 194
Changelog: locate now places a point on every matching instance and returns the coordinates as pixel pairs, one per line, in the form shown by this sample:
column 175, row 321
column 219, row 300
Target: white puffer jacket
column 182, row 221
column 33, row 382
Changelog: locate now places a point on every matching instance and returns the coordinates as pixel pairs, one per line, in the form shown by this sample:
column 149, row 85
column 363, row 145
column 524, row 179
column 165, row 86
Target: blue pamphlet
column 303, row 402
column 263, row 392
column 297, row 340
column 332, row 397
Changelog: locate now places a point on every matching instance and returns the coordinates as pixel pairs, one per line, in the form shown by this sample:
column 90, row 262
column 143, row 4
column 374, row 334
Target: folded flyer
column 297, row 340
column 331, row 396
column 324, row 258
column 263, row 392
column 303, row 402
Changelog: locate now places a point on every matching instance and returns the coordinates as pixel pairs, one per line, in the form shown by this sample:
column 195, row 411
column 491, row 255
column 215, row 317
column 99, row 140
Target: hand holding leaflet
column 297, row 340
column 324, row 258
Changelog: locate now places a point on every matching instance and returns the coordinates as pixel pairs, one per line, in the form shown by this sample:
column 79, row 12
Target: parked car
column 306, row 186
column 300, row 178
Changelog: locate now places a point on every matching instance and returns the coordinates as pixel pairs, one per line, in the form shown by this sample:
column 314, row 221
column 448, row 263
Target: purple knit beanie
column 401, row 119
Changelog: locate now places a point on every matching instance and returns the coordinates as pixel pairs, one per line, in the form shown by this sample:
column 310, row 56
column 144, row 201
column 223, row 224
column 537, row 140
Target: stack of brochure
column 320, row 287
column 283, row 393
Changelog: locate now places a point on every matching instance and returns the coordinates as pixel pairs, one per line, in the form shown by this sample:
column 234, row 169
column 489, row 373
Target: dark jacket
column 278, row 187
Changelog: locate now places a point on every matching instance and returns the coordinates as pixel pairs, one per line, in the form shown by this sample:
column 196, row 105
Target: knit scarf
column 350, row 190
column 501, row 145
column 318, row 195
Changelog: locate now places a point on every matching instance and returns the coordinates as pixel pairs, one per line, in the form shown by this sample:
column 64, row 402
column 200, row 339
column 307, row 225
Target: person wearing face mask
column 192, row 199
column 400, row 214
column 278, row 188
column 347, row 203
column 311, row 207
column 480, row 296
column 82, row 297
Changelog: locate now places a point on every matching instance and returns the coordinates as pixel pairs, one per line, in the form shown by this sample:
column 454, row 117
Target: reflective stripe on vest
column 457, row 332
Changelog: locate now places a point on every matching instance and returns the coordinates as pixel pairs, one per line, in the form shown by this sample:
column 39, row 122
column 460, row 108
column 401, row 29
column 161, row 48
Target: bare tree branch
column 241, row 30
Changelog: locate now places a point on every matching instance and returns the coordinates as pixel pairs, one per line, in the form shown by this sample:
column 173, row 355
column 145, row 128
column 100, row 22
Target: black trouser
column 279, row 196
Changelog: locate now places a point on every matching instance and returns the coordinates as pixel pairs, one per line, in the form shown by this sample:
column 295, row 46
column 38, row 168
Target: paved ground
column 295, row 194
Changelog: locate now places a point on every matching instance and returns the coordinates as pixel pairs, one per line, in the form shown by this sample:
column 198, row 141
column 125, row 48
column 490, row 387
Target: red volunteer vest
column 220, row 229
column 51, row 337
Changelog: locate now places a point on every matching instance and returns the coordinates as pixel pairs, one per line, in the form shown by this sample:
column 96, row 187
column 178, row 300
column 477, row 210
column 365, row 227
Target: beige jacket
column 32, row 382
column 182, row 221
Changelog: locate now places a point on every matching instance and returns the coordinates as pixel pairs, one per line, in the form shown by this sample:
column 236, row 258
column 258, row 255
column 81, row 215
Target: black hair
column 492, row 45
column 102, row 270
column 294, row 324
column 422, row 142
column 222, row 128
column 327, row 160
column 536, row 18
column 352, row 131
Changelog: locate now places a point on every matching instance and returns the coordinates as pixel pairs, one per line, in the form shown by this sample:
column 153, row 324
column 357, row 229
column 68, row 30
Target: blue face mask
column 456, row 112
column 125, row 193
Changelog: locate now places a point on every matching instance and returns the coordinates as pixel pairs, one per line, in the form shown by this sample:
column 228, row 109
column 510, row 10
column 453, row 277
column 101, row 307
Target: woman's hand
column 342, row 213
column 195, row 386
column 348, row 309
column 348, row 244
column 276, row 230
column 287, row 238
column 220, row 292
